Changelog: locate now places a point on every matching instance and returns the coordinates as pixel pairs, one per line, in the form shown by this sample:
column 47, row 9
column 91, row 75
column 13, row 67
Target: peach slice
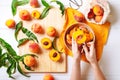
column 46, row 43
column 79, row 36
column 36, row 14
column 25, row 15
column 30, row 61
column 10, row 23
column 54, row 55
column 37, row 28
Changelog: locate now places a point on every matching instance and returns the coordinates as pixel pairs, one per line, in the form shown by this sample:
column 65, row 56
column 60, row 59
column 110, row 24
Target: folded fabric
column 101, row 34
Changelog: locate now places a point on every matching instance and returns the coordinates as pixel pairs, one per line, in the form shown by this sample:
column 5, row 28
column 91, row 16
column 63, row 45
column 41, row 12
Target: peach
column 25, row 15
column 34, row 3
column 98, row 10
column 37, row 28
column 34, row 47
column 46, row 43
column 36, row 14
column 79, row 17
column 51, row 31
column 30, row 61
column 48, row 77
column 91, row 14
column 10, row 23
column 98, row 18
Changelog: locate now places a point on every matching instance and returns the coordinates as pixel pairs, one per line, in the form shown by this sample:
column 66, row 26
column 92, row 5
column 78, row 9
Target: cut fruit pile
column 79, row 33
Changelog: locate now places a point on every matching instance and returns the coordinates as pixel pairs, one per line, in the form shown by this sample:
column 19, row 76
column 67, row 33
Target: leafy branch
column 16, row 3
column 10, row 59
column 29, row 34
column 62, row 8
column 45, row 10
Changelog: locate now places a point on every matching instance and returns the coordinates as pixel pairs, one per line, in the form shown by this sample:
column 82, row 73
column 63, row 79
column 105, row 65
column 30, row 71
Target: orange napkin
column 101, row 34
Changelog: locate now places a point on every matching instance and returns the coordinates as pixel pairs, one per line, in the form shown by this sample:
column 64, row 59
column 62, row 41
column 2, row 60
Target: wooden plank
column 45, row 64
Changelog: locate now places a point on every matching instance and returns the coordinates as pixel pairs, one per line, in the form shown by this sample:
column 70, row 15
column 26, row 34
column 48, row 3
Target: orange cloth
column 101, row 33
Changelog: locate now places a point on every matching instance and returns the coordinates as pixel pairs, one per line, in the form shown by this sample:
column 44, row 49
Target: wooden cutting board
column 45, row 64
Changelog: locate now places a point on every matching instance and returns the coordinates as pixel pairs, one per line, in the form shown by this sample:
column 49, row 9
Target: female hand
column 75, row 51
column 90, row 55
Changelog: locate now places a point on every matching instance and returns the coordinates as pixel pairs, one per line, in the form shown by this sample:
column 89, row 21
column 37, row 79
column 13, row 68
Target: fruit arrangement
column 97, row 11
column 40, row 38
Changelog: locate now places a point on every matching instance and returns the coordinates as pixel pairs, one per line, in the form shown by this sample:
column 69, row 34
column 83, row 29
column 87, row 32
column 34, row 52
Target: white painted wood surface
column 109, row 62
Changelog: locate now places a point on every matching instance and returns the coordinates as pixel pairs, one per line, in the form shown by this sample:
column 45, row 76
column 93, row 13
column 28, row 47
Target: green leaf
column 18, row 28
column 45, row 3
column 14, row 7
column 11, row 69
column 8, row 47
column 26, row 67
column 20, row 70
column 22, row 41
column 3, row 59
column 54, row 44
column 29, row 34
column 17, row 58
column 45, row 12
column 16, row 3
column 23, row 2
column 29, row 55
column 0, row 51
column 62, row 8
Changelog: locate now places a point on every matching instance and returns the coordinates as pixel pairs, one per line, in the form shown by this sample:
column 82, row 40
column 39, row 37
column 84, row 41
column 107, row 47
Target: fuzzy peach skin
column 30, row 61
column 98, row 10
column 48, row 77
column 34, row 47
column 98, row 18
column 79, row 17
column 37, row 28
column 91, row 14
column 10, row 23
column 51, row 31
column 34, row 3
column 24, row 15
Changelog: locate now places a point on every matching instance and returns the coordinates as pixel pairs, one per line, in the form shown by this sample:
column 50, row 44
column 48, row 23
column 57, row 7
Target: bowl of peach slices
column 81, row 33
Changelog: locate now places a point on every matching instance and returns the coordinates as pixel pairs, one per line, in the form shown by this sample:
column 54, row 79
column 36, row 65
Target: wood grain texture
column 45, row 64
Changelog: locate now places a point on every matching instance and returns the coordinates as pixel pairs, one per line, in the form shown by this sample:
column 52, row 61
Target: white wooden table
column 109, row 62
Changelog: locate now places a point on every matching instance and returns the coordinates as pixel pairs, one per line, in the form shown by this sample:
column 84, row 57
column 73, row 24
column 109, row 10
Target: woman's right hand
column 90, row 54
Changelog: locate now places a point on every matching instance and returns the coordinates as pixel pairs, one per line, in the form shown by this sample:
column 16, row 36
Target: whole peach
column 24, row 15
column 91, row 14
column 48, row 77
column 98, row 10
column 37, row 28
column 34, row 47
column 10, row 23
column 98, row 18
column 51, row 31
column 79, row 17
column 34, row 3
column 30, row 61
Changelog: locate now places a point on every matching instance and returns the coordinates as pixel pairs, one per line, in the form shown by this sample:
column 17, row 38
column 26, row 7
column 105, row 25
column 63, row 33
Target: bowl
column 70, row 30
